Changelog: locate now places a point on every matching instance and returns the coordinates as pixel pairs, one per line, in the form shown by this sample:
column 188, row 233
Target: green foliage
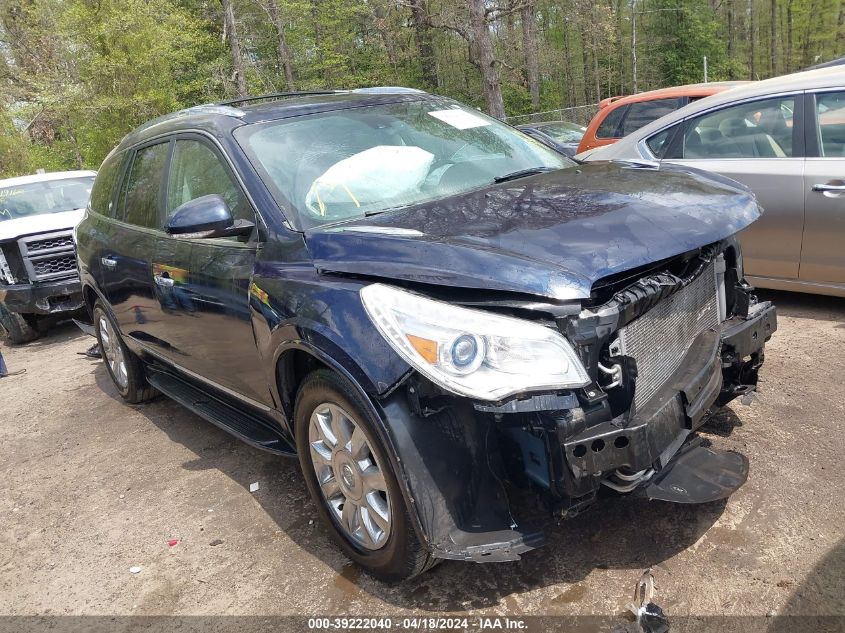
column 77, row 75
column 687, row 31
column 14, row 157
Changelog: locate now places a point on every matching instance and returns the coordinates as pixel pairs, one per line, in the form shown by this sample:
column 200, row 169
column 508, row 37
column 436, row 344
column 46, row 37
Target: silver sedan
column 785, row 139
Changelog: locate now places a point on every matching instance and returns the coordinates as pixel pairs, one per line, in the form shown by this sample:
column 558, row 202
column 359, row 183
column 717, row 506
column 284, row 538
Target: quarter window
column 196, row 171
column 608, row 127
column 143, row 186
column 830, row 124
column 759, row 129
column 101, row 194
column 657, row 143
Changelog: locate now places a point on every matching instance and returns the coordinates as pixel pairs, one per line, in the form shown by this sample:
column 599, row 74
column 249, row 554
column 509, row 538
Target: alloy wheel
column 349, row 476
column 114, row 353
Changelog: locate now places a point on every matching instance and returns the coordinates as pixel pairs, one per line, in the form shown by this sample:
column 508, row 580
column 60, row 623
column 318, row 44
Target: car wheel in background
column 351, row 481
column 17, row 328
column 124, row 367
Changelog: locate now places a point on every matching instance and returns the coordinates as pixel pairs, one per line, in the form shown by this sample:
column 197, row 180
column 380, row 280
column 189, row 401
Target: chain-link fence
column 579, row 114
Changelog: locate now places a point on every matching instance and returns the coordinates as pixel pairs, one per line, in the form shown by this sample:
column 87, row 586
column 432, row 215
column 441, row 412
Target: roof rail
column 278, row 95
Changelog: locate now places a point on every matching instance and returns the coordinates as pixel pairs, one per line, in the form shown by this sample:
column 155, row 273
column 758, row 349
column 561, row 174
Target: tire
column 396, row 553
column 17, row 328
column 125, row 368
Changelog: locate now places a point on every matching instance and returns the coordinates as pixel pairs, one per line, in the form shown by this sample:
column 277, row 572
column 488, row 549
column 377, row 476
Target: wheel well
column 293, row 366
column 90, row 298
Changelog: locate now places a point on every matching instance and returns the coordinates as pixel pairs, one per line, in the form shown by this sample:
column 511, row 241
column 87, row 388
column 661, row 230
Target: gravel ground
column 93, row 487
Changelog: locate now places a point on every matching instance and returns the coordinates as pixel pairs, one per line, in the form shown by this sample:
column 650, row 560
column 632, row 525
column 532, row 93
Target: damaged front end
column 661, row 345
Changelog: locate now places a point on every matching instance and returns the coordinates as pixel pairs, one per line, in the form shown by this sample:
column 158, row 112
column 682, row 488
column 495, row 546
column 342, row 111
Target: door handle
column 824, row 187
column 108, row 262
column 165, row 282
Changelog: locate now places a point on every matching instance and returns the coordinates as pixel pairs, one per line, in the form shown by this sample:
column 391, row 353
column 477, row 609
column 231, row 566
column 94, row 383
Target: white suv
column 38, row 273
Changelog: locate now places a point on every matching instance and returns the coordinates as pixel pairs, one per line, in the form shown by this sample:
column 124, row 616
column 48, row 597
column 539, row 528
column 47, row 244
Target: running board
column 242, row 424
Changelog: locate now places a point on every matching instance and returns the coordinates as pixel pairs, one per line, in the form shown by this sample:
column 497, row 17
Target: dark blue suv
column 447, row 322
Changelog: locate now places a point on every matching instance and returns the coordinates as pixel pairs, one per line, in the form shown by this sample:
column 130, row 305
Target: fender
column 377, row 412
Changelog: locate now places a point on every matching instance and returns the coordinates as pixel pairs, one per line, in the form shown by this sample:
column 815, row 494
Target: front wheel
column 350, row 479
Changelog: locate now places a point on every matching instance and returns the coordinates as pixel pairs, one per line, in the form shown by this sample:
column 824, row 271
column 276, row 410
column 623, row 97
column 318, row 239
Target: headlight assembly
column 472, row 352
column 5, row 272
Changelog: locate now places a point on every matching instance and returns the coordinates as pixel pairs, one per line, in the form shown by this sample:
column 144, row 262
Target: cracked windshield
column 358, row 162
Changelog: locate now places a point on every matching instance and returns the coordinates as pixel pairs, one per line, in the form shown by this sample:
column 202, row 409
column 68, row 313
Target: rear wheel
column 124, row 367
column 350, row 479
column 17, row 328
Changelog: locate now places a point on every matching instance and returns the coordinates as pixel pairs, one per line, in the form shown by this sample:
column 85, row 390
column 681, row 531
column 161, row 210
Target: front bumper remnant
column 44, row 297
column 467, row 466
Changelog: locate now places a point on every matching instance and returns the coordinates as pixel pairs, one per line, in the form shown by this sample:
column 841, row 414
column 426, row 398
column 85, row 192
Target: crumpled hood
column 18, row 227
column 551, row 235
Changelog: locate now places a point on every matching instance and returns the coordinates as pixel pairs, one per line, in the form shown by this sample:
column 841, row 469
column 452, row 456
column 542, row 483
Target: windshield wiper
column 522, row 173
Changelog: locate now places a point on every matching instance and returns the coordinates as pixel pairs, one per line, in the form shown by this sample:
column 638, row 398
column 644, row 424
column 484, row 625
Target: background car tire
column 132, row 384
column 17, row 328
column 403, row 555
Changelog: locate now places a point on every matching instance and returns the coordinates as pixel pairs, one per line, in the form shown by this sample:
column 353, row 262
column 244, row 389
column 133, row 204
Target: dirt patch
column 93, row 487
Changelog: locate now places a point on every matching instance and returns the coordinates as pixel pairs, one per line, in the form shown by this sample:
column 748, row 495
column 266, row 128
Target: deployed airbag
column 384, row 172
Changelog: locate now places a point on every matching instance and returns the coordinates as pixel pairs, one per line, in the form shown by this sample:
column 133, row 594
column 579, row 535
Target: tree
column 284, row 54
column 529, row 47
column 76, row 75
column 230, row 32
column 479, row 35
column 421, row 23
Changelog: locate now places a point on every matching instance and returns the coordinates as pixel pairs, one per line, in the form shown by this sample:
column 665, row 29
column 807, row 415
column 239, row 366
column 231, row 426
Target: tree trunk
column 752, row 38
column 789, row 27
column 634, row 47
column 529, row 46
column 282, row 44
column 806, row 55
column 731, row 38
column 425, row 46
column 585, row 67
column 318, row 39
column 491, row 87
column 572, row 98
column 840, row 29
column 596, row 74
column 232, row 34
column 774, row 18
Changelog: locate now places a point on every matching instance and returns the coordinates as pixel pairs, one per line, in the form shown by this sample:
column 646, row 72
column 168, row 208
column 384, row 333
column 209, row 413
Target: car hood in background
column 551, row 235
column 44, row 223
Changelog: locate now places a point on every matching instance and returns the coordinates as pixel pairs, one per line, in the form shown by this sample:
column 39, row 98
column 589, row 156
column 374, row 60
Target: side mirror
column 206, row 216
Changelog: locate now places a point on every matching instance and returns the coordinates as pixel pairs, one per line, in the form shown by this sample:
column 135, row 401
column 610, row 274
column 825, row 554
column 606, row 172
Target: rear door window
column 830, row 122
column 756, row 129
column 142, row 192
column 644, row 112
column 607, row 128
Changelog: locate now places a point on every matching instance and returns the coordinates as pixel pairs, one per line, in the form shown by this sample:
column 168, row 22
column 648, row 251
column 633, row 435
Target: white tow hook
column 631, row 481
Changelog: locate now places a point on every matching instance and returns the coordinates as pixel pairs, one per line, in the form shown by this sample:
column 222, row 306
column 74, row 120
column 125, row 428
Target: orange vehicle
column 619, row 116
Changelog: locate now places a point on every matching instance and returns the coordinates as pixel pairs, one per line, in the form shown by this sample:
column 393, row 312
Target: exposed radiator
column 659, row 338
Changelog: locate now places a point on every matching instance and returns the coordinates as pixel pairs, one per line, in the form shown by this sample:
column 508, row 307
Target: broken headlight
column 471, row 352
column 5, row 272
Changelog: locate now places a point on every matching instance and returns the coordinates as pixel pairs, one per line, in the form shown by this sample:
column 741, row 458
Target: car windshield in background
column 350, row 163
column 51, row 196
column 563, row 132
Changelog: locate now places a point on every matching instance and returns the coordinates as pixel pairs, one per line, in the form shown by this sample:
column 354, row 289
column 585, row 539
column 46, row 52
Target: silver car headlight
column 471, row 352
